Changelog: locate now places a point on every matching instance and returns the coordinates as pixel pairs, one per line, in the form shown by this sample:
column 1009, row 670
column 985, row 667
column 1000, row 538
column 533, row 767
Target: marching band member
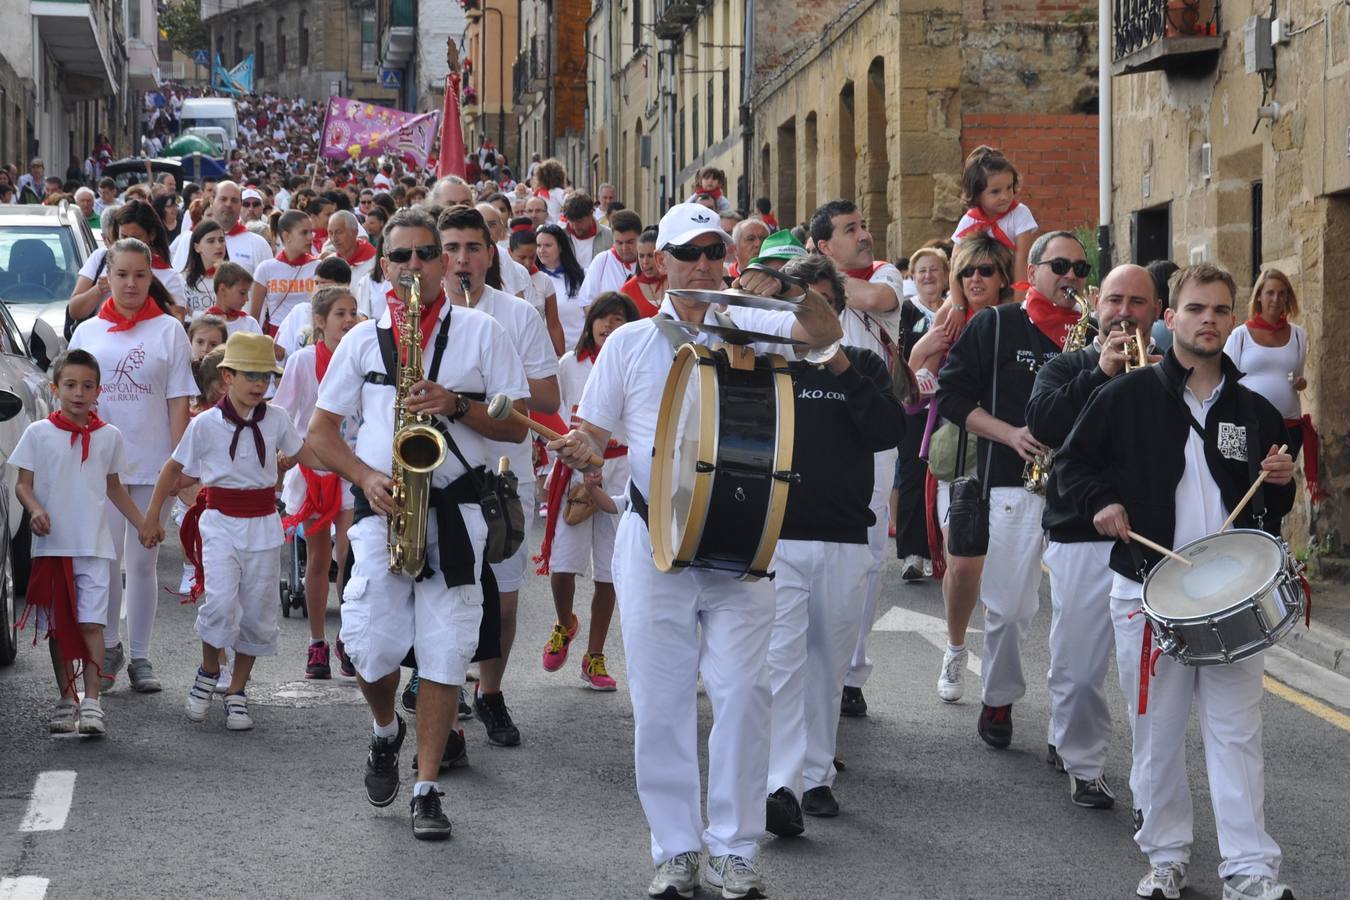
column 1028, row 335
column 846, row 411
column 1081, row 637
column 384, row 614
column 1206, row 435
column 678, row 624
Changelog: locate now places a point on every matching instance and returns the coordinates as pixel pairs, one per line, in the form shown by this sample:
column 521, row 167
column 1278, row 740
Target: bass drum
column 722, row 461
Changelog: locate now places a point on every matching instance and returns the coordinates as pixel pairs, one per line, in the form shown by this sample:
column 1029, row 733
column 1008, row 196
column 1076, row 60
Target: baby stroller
column 293, row 580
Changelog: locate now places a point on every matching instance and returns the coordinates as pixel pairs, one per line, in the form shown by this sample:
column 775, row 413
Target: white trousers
column 878, row 541
column 676, row 625
column 1081, row 639
column 1010, row 588
column 243, row 591
column 142, row 587
column 1228, row 700
column 818, row 597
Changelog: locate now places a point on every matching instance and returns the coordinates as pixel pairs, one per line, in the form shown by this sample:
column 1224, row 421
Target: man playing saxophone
column 1077, row 558
column 436, row 613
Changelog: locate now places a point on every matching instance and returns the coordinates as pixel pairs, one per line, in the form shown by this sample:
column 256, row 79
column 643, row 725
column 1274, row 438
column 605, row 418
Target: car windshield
column 38, row 263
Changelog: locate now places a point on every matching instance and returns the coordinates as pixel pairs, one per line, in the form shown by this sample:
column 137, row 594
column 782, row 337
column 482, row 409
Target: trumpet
column 1134, row 348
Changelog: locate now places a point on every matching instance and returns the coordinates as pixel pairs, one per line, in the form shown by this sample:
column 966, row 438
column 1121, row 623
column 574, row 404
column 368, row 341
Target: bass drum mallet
column 501, row 409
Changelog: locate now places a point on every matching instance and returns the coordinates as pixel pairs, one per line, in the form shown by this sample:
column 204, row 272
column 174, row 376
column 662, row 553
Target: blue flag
column 238, row 80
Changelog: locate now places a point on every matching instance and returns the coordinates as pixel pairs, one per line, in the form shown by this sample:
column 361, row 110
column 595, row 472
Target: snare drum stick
column 500, row 408
column 1247, row 497
column 1159, row 547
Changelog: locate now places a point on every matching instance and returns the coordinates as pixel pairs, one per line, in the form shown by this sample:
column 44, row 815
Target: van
column 210, row 112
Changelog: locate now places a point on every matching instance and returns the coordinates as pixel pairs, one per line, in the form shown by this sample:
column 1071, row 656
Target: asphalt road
column 164, row 808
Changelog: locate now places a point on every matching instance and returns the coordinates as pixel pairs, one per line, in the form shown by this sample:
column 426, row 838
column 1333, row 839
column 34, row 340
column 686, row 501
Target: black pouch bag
column 968, row 512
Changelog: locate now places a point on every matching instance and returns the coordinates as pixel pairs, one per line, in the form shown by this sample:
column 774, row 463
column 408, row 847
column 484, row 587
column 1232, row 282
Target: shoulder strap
column 442, row 338
column 1247, row 410
column 1186, row 410
column 993, row 403
column 389, row 356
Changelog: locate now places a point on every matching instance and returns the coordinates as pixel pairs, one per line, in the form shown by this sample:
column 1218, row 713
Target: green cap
column 779, row 245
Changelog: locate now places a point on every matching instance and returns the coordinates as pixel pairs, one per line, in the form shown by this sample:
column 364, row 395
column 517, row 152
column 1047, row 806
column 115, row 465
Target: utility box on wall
column 1257, row 52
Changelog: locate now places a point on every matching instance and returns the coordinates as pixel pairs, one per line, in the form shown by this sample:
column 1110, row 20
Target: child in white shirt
column 288, row 279
column 990, row 186
column 232, row 284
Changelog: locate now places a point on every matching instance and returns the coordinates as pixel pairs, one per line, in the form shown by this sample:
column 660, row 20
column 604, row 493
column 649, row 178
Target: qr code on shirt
column 1233, row 441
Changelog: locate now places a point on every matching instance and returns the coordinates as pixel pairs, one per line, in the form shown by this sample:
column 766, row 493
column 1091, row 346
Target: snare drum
column 722, row 461
column 1240, row 595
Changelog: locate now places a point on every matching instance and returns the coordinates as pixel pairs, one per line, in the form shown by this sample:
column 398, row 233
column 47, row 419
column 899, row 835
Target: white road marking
column 26, row 887
column 1308, row 677
column 930, row 628
column 50, row 804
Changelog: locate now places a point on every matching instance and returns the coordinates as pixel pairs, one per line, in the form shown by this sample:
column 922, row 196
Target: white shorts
column 944, row 502
column 242, row 596
column 91, row 593
column 384, row 615
column 510, row 572
column 575, row 547
column 293, row 491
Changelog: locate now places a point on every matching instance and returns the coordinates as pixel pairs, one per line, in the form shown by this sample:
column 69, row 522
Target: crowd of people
column 940, row 379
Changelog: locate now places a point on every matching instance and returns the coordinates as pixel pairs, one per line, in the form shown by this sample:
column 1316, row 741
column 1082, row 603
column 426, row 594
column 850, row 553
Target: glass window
column 38, row 263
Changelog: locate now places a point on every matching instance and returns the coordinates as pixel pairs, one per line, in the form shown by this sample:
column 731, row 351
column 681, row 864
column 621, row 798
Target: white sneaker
column 65, row 717
column 912, row 569
column 199, row 696
column 927, row 568
column 1164, row 882
column 236, row 713
column 226, row 673
column 1255, row 887
column 950, row 686
column 735, row 875
column 676, row 877
column 91, row 718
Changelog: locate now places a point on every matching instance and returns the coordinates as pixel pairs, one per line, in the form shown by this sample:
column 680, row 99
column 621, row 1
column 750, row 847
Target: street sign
column 201, row 57
column 391, row 79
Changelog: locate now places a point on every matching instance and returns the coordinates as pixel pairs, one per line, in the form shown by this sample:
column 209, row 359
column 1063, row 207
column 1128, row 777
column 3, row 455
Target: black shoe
column 1138, row 816
column 465, row 710
column 819, row 801
column 455, row 755
column 1052, row 758
column 496, row 718
column 429, row 822
column 839, row 765
column 410, row 693
column 382, row 766
column 1091, row 793
column 853, row 703
column 783, row 814
column 345, row 665
column 996, row 725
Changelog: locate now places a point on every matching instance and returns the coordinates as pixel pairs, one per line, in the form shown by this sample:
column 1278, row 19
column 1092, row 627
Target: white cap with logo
column 250, row 194
column 685, row 221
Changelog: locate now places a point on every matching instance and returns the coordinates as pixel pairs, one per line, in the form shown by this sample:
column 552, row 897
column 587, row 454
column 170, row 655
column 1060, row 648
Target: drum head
column 1225, row 570
column 685, row 434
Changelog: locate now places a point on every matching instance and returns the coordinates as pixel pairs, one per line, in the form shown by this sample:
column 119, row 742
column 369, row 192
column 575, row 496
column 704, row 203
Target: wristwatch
column 461, row 408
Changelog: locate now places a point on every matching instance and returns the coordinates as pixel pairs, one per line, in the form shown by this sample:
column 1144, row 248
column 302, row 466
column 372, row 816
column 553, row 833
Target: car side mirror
column 43, row 344
column 10, row 405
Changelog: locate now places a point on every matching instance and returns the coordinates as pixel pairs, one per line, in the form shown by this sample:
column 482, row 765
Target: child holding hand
column 233, row 532
column 68, row 466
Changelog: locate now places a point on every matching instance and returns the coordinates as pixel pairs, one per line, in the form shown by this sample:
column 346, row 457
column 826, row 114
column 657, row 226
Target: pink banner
column 353, row 129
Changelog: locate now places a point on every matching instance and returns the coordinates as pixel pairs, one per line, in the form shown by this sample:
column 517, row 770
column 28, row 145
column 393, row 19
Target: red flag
column 451, row 161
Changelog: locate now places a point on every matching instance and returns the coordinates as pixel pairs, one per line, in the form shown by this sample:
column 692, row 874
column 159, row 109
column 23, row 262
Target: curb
column 1321, row 644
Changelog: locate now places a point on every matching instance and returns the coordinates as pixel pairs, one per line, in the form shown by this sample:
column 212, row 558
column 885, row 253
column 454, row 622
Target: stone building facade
column 549, row 81
column 1249, row 171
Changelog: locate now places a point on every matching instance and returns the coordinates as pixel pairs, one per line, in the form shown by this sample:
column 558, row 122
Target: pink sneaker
column 594, row 674
column 555, row 651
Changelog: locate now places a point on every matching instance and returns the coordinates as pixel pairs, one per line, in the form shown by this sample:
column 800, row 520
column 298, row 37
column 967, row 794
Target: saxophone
column 419, row 449
column 1036, row 473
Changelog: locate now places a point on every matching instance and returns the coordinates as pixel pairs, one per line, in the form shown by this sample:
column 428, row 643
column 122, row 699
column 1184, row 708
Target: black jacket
column 841, row 421
column 967, row 381
column 1129, row 447
column 1062, row 389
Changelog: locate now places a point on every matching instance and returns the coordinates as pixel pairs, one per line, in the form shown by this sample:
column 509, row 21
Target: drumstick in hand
column 1152, row 545
column 500, row 408
column 1251, row 492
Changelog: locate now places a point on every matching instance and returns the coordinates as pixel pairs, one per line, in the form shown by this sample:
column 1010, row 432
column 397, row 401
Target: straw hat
column 245, row 352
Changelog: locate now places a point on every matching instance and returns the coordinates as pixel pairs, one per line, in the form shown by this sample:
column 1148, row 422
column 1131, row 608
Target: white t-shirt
column 142, row 369
column 1271, row 371
column 554, row 199
column 244, row 323
column 1015, row 221
column 515, row 277
column 530, row 339
column 623, row 392
column 479, row 359
column 572, row 377
column 296, row 330
column 204, row 453
column 584, row 248
column 605, row 273
column 72, row 491
column 286, row 284
column 571, row 309
column 371, row 297
column 538, row 292
column 171, row 279
column 200, row 297
column 244, row 247
column 865, row 329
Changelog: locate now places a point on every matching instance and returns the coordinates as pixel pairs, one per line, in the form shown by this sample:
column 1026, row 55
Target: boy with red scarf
column 233, row 532
column 68, row 464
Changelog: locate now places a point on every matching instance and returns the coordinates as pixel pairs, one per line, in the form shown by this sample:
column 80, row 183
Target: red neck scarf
column 984, row 223
column 228, row 315
column 365, row 250
column 431, row 314
column 110, row 313
column 1053, row 321
column 320, row 236
column 77, row 431
column 734, row 271
column 237, row 230
column 322, row 357
column 583, row 237
column 541, row 192
column 632, row 289
column 240, row 423
column 649, row 279
column 1260, row 324
column 298, row 261
column 628, row 268
column 866, row 272
column 159, row 262
column 715, row 193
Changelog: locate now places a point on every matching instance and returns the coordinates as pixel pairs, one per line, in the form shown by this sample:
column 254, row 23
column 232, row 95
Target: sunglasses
column 688, row 253
column 253, row 203
column 257, row 377
column 1061, row 266
column 986, row 270
column 426, row 253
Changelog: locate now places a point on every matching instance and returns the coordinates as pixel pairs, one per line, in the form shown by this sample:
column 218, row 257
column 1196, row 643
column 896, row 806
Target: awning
column 71, row 35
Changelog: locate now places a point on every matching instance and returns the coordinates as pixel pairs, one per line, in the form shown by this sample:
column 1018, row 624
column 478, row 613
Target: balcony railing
column 673, row 15
column 1172, row 35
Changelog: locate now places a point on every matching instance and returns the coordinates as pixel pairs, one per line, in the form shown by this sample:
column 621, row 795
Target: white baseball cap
column 685, row 221
column 250, row 194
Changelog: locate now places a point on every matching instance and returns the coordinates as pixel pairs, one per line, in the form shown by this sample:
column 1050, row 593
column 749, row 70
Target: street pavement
column 164, row 808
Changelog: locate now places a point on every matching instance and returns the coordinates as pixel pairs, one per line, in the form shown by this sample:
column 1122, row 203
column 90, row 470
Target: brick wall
column 569, row 76
column 1056, row 156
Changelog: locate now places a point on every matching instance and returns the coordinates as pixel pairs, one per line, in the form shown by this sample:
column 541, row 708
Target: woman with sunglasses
column 553, row 249
column 1002, row 351
column 146, row 362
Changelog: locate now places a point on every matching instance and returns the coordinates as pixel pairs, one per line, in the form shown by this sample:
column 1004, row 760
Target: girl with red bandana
column 990, row 186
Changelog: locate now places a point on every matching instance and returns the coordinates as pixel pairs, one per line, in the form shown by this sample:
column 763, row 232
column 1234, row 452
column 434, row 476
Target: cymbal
column 737, row 336
column 734, row 297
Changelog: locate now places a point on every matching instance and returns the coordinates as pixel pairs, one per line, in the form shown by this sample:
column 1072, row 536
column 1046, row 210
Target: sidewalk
column 1327, row 642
